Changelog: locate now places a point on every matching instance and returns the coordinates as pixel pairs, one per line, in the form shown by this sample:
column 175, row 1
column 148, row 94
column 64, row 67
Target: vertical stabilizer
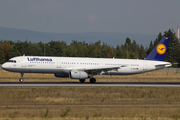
column 159, row 52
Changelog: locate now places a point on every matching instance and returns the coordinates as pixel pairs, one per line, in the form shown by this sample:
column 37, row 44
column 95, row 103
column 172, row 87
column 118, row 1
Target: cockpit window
column 12, row 61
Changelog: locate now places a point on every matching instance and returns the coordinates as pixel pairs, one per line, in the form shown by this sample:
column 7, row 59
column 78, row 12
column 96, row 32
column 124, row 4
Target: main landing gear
column 82, row 80
column 21, row 79
column 92, row 80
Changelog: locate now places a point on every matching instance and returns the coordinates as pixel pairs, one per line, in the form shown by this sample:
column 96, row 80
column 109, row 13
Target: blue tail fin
column 159, row 52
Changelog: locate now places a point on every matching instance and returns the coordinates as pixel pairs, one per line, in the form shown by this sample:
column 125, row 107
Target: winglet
column 159, row 52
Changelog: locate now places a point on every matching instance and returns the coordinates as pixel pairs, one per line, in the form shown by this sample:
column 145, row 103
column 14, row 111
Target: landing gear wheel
column 82, row 80
column 92, row 80
column 20, row 80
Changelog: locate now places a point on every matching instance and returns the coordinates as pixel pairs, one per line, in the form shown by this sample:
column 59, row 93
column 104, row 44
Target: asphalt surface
column 87, row 84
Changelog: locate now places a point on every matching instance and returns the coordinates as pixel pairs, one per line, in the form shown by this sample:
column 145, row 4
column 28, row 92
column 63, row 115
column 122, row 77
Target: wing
column 98, row 70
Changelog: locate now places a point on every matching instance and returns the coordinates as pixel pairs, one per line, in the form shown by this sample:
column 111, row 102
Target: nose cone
column 4, row 66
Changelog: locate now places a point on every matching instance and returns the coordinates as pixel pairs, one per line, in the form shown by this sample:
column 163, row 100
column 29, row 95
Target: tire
column 20, row 80
column 92, row 80
column 82, row 80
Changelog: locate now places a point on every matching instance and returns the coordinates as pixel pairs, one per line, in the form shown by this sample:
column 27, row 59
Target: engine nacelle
column 78, row 75
column 61, row 75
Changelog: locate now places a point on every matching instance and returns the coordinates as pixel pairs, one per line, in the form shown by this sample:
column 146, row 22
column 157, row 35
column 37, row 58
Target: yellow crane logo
column 161, row 49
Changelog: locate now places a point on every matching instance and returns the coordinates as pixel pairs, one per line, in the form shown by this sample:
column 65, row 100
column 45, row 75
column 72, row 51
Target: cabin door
column 58, row 63
column 100, row 64
column 145, row 65
column 23, row 62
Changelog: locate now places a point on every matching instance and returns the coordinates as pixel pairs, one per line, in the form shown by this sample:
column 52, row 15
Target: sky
column 79, row 16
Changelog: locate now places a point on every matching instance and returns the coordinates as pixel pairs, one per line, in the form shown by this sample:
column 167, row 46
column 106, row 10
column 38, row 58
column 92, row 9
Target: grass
column 84, row 97
column 117, row 113
column 88, row 95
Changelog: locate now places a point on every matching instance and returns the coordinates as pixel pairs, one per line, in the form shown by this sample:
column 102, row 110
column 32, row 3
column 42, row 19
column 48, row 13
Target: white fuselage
column 39, row 64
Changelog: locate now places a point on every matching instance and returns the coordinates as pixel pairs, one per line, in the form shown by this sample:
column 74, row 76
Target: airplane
column 83, row 68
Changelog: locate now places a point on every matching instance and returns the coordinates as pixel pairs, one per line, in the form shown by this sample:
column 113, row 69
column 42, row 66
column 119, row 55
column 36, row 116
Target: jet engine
column 78, row 75
column 61, row 75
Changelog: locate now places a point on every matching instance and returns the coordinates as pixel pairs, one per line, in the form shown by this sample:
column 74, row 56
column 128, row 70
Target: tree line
column 130, row 49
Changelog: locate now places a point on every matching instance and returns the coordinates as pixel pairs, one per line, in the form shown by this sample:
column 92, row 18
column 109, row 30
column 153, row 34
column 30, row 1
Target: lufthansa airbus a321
column 83, row 68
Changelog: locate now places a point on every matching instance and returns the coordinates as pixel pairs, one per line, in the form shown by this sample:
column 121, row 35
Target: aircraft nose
column 4, row 66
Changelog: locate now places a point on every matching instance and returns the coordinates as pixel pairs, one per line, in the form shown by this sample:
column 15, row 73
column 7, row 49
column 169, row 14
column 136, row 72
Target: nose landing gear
column 21, row 79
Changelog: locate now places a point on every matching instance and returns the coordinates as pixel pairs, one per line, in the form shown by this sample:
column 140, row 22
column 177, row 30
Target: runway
column 87, row 84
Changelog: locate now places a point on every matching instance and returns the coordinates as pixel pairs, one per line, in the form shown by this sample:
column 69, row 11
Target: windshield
column 12, row 61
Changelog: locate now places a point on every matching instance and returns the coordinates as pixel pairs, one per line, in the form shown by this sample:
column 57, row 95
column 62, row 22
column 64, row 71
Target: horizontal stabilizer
column 163, row 65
